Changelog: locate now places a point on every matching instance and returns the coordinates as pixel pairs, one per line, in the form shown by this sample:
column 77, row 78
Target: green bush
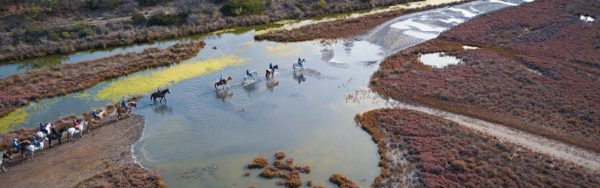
column 151, row 2
column 86, row 31
column 138, row 18
column 168, row 19
column 320, row 5
column 65, row 35
column 243, row 7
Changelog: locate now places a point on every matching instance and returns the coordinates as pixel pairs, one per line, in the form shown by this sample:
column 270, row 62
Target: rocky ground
column 536, row 69
column 101, row 157
column 418, row 149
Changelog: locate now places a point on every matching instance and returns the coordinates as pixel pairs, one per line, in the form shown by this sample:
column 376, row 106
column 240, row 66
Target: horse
column 21, row 148
column 72, row 130
column 4, row 156
column 223, row 82
column 250, row 78
column 32, row 148
column 121, row 110
column 299, row 65
column 160, row 95
column 54, row 135
column 42, row 135
column 271, row 71
column 96, row 122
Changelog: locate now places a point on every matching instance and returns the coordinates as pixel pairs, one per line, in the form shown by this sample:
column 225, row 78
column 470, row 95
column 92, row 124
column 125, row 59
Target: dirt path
column 585, row 158
column 66, row 165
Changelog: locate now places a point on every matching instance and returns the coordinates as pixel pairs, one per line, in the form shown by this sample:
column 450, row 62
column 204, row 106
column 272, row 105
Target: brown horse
column 223, row 82
column 96, row 122
column 121, row 111
column 270, row 72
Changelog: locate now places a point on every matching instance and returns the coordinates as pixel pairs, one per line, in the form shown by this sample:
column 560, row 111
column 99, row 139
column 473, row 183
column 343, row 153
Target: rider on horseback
column 35, row 142
column 43, row 128
column 75, row 124
column 271, row 66
column 95, row 115
column 15, row 145
column 248, row 73
column 124, row 105
column 222, row 78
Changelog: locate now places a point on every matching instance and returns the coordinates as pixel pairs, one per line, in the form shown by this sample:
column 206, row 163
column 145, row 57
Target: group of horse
column 49, row 133
column 250, row 77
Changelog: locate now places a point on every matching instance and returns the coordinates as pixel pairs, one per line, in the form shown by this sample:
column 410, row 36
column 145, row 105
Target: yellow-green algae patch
column 281, row 49
column 14, row 118
column 142, row 84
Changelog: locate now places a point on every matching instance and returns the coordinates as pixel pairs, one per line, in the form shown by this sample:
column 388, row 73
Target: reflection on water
column 142, row 84
column 438, row 60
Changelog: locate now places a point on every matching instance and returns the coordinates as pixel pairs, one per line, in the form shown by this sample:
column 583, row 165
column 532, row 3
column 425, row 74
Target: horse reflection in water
column 299, row 76
column 223, row 94
column 163, row 109
column 271, row 84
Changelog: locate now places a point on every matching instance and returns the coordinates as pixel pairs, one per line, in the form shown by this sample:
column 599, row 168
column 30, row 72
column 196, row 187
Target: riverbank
column 534, row 74
column 62, row 79
column 76, row 29
column 343, row 28
column 422, row 150
column 101, row 157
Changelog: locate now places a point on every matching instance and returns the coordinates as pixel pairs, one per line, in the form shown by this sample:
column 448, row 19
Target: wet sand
column 418, row 149
column 87, row 161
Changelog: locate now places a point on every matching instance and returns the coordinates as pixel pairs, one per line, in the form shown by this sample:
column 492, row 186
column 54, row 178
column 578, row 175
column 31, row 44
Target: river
column 202, row 137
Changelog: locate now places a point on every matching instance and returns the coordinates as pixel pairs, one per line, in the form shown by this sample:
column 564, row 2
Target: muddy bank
column 89, row 160
column 423, row 150
column 18, row 90
column 343, row 28
column 536, row 69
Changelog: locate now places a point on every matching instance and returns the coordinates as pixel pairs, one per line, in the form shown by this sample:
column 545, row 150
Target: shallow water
column 438, row 60
column 204, row 138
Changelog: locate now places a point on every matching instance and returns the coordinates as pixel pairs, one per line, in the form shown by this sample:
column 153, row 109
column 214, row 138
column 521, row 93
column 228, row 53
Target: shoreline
column 93, row 159
column 63, row 79
column 154, row 33
column 343, row 28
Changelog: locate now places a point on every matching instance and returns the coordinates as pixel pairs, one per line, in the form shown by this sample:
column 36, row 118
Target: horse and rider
column 299, row 64
column 222, row 81
column 270, row 72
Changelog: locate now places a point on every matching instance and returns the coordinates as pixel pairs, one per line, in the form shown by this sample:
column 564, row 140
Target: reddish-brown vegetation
column 64, row 122
column 342, row 181
column 536, row 70
column 340, row 28
column 18, row 90
column 128, row 176
column 287, row 171
column 445, row 154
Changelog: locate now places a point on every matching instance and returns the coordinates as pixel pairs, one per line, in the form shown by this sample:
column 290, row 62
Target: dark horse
column 54, row 135
column 222, row 82
column 271, row 71
column 160, row 95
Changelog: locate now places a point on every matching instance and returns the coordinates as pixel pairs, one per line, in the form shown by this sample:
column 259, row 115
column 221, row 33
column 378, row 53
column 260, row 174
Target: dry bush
column 259, row 162
column 342, row 181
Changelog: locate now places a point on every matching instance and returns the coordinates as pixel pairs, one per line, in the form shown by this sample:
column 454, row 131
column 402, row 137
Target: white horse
column 250, row 77
column 299, row 65
column 72, row 131
column 41, row 135
column 32, row 148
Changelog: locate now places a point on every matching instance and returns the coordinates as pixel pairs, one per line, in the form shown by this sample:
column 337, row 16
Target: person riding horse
column 43, row 129
column 248, row 73
column 35, row 142
column 124, row 105
column 15, row 144
column 95, row 115
column 75, row 124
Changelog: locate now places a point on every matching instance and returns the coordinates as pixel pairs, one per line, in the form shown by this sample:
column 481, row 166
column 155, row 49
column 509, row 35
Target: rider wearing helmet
column 43, row 128
column 248, row 73
column 95, row 115
column 222, row 78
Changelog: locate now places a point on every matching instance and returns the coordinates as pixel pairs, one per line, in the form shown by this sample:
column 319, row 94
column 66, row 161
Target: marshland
column 327, row 116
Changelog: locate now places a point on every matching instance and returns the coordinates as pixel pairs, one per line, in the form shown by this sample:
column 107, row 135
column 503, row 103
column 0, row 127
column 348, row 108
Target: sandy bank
column 88, row 160
column 18, row 90
column 423, row 150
